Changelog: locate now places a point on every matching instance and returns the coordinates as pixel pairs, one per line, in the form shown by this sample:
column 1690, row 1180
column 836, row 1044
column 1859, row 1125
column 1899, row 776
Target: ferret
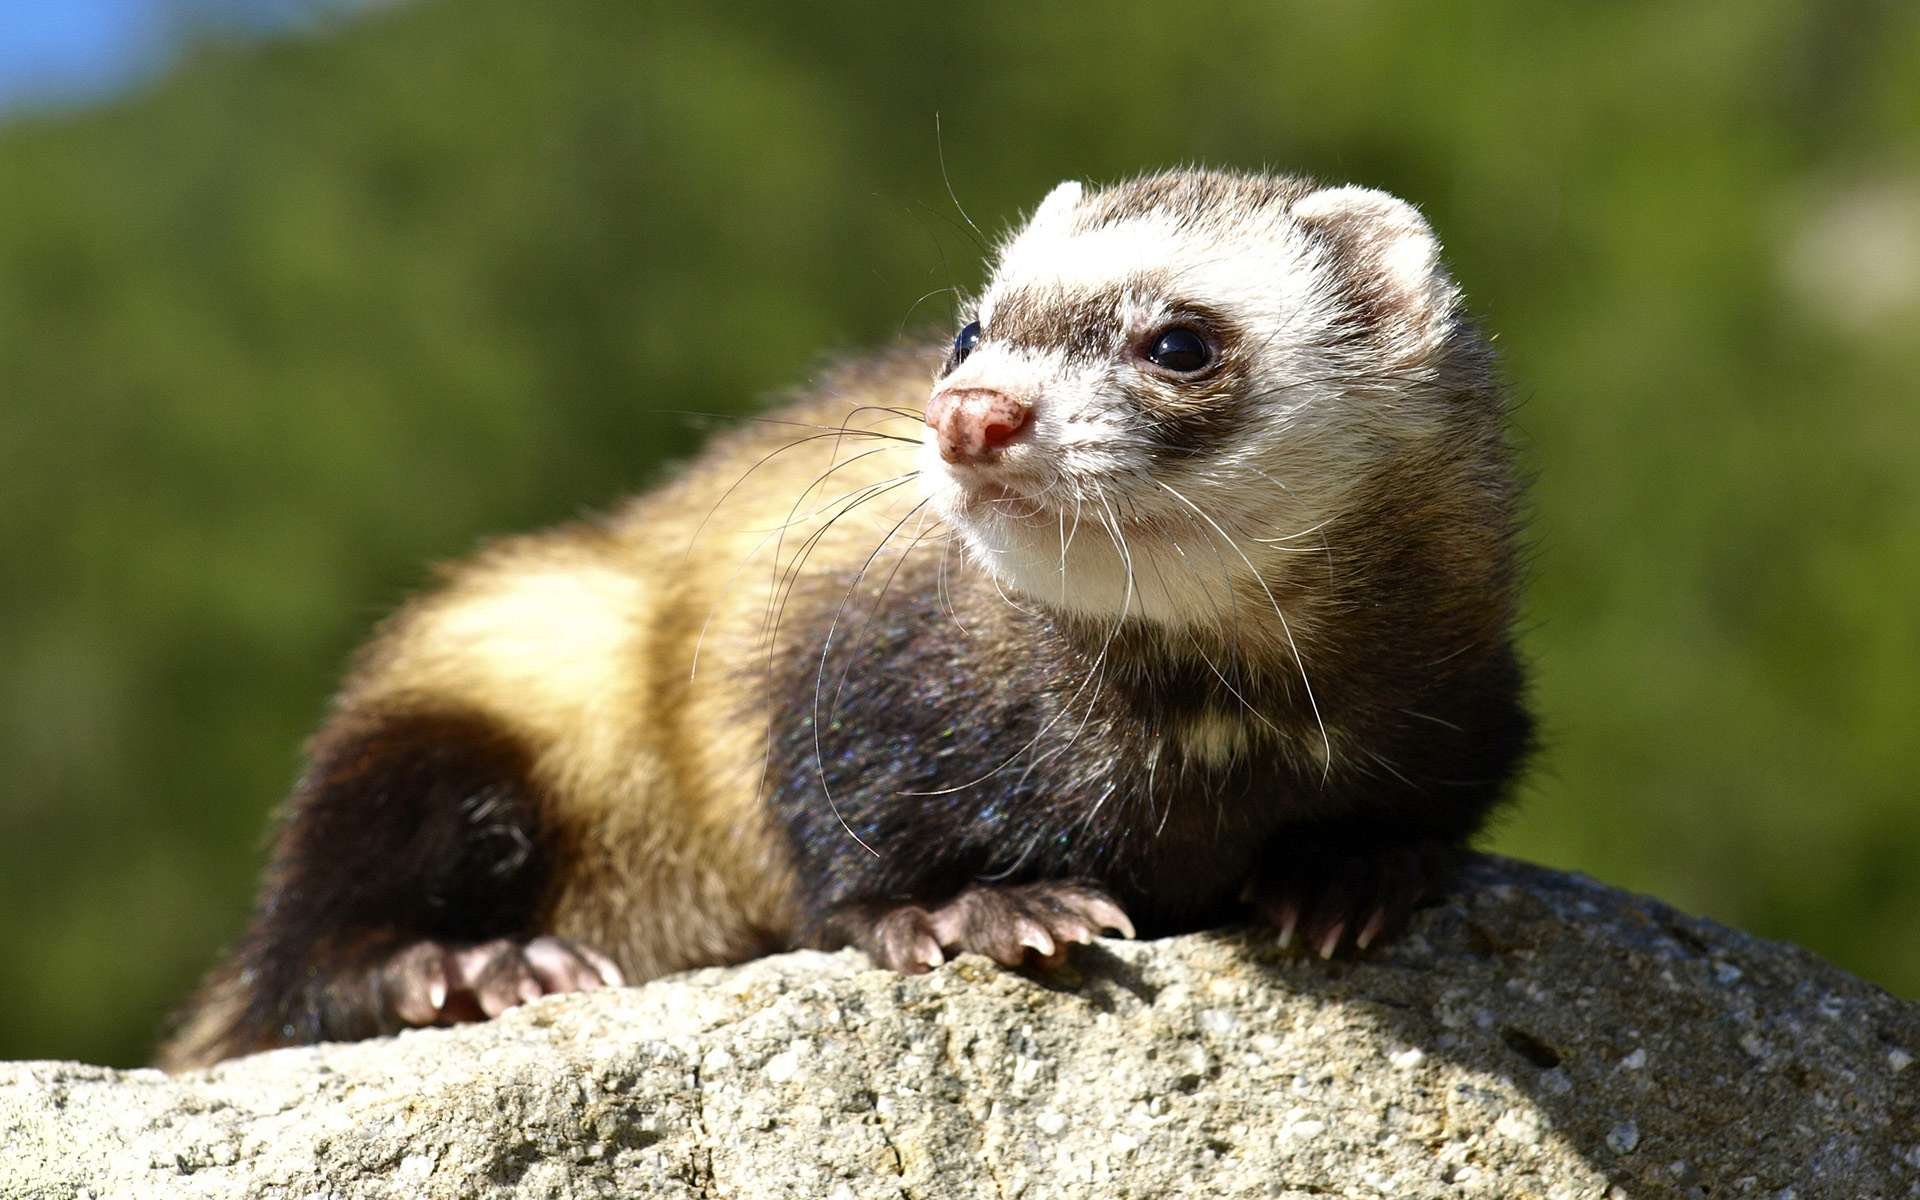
column 1177, row 588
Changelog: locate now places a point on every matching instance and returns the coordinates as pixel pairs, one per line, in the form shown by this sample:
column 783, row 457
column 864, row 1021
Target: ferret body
column 1179, row 586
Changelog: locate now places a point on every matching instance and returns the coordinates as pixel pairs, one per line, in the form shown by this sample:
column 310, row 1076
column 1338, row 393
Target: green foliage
column 303, row 317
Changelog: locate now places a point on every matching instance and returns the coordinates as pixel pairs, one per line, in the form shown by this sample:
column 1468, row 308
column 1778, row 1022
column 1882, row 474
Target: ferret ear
column 1390, row 259
column 1063, row 199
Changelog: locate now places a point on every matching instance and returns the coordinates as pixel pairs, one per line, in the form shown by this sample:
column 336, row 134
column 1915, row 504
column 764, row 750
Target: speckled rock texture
column 1537, row 1035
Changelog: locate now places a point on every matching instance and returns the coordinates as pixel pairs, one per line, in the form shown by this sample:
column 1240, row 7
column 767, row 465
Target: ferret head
column 1171, row 385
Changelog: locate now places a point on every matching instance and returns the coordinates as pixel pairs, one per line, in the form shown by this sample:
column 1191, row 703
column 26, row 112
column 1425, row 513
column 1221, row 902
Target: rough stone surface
column 1537, row 1035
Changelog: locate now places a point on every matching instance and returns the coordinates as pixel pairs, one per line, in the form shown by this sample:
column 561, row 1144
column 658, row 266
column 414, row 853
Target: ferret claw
column 603, row 966
column 903, row 940
column 1108, row 915
column 1030, row 923
column 1331, row 942
column 415, row 984
column 1375, row 926
column 433, row 983
column 1321, row 893
column 1288, row 921
column 930, row 955
column 1035, row 938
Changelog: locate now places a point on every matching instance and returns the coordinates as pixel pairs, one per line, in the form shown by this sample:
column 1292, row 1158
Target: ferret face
column 1169, row 387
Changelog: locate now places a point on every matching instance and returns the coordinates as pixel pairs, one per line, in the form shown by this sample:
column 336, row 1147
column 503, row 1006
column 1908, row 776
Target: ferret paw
column 1012, row 925
column 1337, row 899
column 433, row 983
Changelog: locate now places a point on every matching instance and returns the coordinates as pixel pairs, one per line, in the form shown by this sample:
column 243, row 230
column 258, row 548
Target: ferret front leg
column 1011, row 924
column 406, row 889
column 1333, row 895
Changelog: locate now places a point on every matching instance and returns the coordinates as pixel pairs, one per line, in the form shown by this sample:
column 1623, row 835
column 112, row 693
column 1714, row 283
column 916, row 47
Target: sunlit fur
column 1181, row 634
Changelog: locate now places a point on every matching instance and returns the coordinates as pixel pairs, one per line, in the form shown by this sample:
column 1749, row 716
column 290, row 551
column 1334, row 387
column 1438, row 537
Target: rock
column 1537, row 1035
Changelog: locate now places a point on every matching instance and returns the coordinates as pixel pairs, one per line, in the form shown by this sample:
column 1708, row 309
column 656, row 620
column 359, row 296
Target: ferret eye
column 964, row 344
column 1182, row 350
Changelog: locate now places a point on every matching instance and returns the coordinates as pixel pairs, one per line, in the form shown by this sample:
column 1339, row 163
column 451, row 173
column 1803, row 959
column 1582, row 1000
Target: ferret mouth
column 980, row 496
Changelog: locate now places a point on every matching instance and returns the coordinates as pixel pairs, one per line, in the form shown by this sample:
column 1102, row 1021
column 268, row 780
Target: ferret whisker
column 1066, row 547
column 1097, row 669
column 1326, row 740
column 980, row 239
column 1036, row 502
column 1060, row 532
column 801, row 499
column 1093, row 701
column 753, row 553
column 834, row 465
column 825, row 430
column 820, row 674
column 944, row 589
column 1233, row 626
column 1166, row 589
column 1285, row 327
column 813, row 514
column 1392, row 770
column 874, row 608
column 1126, row 558
column 762, row 461
column 1100, row 663
column 1319, row 527
column 1106, row 794
column 908, row 315
column 919, row 211
column 1011, row 758
column 904, row 414
column 1234, row 657
column 1015, row 605
column 791, row 578
column 846, row 430
column 1452, row 654
column 1283, row 487
column 1441, row 721
column 1026, row 852
column 949, row 222
column 1155, row 752
column 1316, row 527
column 783, row 582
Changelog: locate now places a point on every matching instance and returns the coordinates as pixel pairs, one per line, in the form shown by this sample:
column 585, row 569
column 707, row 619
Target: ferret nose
column 973, row 423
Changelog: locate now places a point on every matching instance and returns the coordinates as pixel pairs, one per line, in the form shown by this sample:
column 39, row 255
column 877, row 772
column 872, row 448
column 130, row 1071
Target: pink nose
column 973, row 423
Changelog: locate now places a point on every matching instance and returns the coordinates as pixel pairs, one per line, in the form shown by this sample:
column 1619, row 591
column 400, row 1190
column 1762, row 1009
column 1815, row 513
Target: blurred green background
column 305, row 312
